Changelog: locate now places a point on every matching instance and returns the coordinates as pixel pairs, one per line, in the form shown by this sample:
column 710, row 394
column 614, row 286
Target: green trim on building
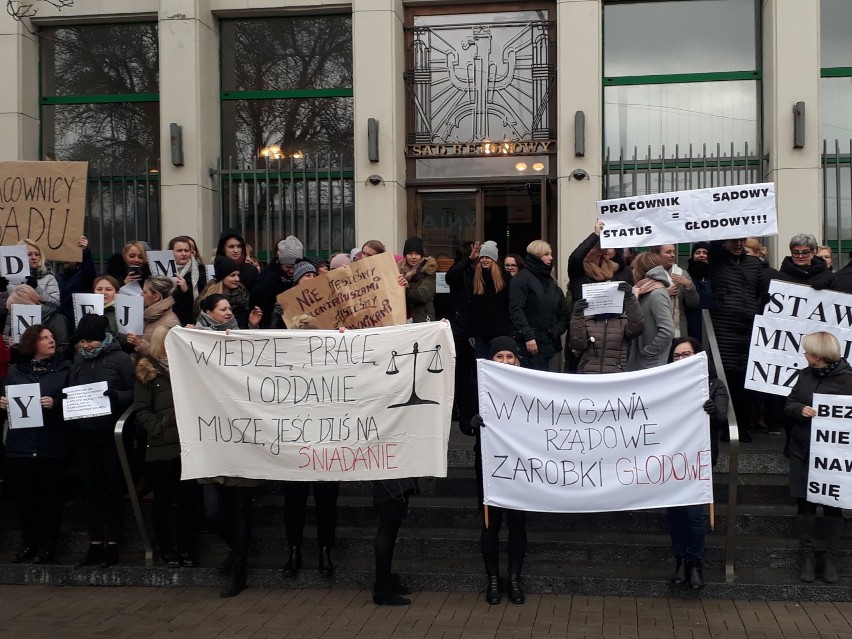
column 682, row 78
column 290, row 94
column 114, row 98
column 836, row 72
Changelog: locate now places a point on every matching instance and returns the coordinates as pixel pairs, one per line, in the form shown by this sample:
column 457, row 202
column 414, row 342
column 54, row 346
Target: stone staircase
column 624, row 553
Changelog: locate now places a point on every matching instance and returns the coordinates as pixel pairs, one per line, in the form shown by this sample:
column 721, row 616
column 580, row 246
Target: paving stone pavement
column 30, row 612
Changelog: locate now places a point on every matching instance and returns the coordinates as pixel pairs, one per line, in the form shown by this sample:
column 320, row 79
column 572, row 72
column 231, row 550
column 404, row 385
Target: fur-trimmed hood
column 147, row 369
column 428, row 266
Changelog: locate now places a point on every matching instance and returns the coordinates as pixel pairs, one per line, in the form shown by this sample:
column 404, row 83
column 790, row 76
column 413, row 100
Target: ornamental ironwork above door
column 476, row 86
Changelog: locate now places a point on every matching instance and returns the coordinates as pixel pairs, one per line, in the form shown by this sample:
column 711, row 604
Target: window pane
column 681, row 114
column 287, row 53
column 116, row 137
column 99, row 59
column 646, row 38
column 835, row 96
column 836, row 25
column 303, row 127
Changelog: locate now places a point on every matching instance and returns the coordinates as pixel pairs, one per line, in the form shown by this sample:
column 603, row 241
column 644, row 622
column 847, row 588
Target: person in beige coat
column 158, row 302
column 681, row 287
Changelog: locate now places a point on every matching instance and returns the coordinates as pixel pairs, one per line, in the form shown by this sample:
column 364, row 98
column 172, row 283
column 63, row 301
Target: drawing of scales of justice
column 435, row 366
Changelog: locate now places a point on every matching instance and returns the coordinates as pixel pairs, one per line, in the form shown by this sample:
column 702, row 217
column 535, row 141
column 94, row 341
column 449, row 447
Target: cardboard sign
column 362, row 295
column 44, row 202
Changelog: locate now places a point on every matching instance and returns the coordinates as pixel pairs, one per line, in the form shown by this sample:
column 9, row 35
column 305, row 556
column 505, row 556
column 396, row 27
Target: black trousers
column 37, row 484
column 295, row 507
column 104, row 484
column 741, row 398
column 228, row 511
column 164, row 480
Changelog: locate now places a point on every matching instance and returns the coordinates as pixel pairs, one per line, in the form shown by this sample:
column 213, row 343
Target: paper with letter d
column 718, row 213
column 85, row 400
column 14, row 264
column 25, row 406
column 307, row 405
column 830, row 463
column 603, row 297
column 595, row 443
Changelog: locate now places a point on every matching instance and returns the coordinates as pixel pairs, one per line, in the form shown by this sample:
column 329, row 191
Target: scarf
column 597, row 267
column 191, row 267
column 207, row 323
column 647, row 285
column 95, row 353
column 238, row 297
column 825, row 371
column 42, row 366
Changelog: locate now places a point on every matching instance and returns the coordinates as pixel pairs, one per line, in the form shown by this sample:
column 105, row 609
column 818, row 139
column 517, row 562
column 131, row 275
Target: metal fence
column 311, row 197
column 837, row 197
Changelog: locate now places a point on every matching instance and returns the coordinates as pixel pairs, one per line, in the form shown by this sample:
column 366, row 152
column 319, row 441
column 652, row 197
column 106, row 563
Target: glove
column 710, row 407
column 625, row 288
column 31, row 281
column 4, row 285
column 580, row 306
column 818, row 286
column 111, row 393
column 476, row 422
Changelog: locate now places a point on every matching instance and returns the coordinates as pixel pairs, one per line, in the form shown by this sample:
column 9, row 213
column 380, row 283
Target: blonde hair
column 304, row 321
column 823, row 247
column 162, row 286
column 754, row 245
column 822, row 345
column 158, row 343
column 138, row 246
column 643, row 263
column 32, row 244
column 479, row 279
column 538, row 248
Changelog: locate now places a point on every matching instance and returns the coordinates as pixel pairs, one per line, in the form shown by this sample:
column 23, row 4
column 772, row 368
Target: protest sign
column 793, row 311
column 162, row 263
column 718, row 213
column 44, row 202
column 86, row 303
column 25, row 406
column 362, row 295
column 307, row 405
column 85, row 400
column 595, row 443
column 603, row 297
column 14, row 264
column 24, row 316
column 830, row 463
column 130, row 314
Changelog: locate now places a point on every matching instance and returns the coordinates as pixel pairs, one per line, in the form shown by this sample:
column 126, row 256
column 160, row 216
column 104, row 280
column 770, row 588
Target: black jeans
column 104, row 483
column 228, row 510
column 164, row 480
column 37, row 484
column 295, row 506
column 741, row 398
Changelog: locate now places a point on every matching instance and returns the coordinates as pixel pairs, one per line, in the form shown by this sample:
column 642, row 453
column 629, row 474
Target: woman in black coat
column 35, row 457
column 828, row 374
column 100, row 359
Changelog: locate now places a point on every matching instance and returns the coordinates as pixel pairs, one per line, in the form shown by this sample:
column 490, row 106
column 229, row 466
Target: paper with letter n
column 830, row 463
column 24, row 316
column 25, row 406
column 595, row 443
column 85, row 400
column 603, row 297
column 305, row 405
column 718, row 213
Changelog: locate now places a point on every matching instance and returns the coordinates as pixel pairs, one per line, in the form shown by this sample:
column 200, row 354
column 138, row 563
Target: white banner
column 719, row 213
column 830, row 463
column 594, row 443
column 87, row 303
column 793, row 311
column 24, row 316
column 309, row 405
column 25, row 406
column 130, row 314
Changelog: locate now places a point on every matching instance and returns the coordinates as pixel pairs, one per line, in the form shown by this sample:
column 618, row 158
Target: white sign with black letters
column 14, row 264
column 830, row 463
column 24, row 316
column 130, row 314
column 24, row 406
column 86, row 304
column 85, row 400
column 162, row 263
column 603, row 297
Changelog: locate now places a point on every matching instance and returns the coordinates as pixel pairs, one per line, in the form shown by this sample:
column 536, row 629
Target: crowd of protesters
column 510, row 310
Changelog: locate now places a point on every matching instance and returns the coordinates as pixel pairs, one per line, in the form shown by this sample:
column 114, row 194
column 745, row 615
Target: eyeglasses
column 678, row 356
column 800, row 253
column 509, row 267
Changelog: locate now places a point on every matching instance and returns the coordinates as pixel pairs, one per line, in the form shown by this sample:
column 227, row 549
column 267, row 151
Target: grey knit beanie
column 290, row 249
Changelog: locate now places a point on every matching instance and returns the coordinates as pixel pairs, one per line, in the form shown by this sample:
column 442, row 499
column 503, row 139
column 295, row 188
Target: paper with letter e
column 85, row 400
column 25, row 406
column 830, row 461
column 603, row 297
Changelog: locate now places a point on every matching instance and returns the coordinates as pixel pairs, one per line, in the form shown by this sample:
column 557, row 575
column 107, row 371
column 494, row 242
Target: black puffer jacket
column 48, row 441
column 740, row 290
column 612, row 335
column 534, row 300
column 817, row 275
column 844, row 278
column 114, row 367
column 838, row 382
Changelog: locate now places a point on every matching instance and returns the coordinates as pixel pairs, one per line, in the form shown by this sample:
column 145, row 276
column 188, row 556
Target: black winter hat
column 700, row 245
column 413, row 244
column 92, row 327
column 223, row 267
column 227, row 234
column 503, row 343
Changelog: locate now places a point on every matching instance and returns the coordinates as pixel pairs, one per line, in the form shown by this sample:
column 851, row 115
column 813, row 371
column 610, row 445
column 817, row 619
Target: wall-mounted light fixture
column 176, row 140
column 799, row 125
column 372, row 139
column 579, row 134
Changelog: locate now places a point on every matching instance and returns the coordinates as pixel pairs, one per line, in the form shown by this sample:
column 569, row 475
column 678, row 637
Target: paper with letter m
column 830, row 463
column 306, row 405
column 595, row 443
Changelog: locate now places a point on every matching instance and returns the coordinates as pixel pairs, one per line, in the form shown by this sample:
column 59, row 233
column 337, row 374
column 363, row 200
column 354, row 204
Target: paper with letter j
column 85, row 400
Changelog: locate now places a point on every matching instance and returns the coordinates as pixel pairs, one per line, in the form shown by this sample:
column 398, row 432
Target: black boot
column 46, row 555
column 27, row 552
column 110, row 555
column 516, row 589
column 384, row 595
column 679, row 575
column 326, row 568
column 226, row 566
column 492, row 590
column 695, row 575
column 94, row 555
column 832, row 528
column 294, row 562
column 397, row 585
column 236, row 583
column 806, row 525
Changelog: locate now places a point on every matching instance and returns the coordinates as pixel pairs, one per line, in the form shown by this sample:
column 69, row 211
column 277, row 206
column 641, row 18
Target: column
column 19, row 110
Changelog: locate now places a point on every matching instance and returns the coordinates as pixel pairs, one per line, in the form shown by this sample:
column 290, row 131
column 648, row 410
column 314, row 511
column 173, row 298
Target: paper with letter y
column 25, row 406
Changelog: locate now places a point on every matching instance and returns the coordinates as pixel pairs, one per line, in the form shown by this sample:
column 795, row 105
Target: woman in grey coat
column 651, row 348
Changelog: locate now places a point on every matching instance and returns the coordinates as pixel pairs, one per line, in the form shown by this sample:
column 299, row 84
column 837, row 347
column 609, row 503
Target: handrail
column 712, row 347
column 131, row 487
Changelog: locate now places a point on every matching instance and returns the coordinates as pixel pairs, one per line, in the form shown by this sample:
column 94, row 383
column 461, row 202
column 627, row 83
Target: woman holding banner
column 827, row 373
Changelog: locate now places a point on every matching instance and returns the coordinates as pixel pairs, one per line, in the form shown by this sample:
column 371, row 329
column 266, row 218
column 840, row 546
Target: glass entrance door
column 448, row 218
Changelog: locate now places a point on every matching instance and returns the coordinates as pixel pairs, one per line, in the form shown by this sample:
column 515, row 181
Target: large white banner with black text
column 719, row 213
column 313, row 405
column 830, row 463
column 593, row 443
